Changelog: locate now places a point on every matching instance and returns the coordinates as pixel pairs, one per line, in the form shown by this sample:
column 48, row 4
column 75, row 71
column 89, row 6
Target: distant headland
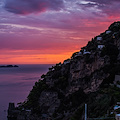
column 8, row 66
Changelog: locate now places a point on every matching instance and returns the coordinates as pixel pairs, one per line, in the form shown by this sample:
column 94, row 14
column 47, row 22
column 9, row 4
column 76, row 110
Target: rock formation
column 86, row 77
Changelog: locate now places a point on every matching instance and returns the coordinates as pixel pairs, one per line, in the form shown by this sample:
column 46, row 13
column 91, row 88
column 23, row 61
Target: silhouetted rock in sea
column 8, row 66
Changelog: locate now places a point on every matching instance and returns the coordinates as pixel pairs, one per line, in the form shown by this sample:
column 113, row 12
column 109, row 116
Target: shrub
column 110, row 50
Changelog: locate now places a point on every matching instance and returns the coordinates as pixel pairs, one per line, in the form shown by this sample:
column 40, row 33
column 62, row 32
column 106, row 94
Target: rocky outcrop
column 49, row 102
column 66, row 87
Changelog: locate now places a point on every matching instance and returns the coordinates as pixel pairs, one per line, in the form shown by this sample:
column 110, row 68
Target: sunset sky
column 49, row 31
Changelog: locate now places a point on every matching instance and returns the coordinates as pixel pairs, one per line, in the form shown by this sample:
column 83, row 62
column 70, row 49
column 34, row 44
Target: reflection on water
column 15, row 84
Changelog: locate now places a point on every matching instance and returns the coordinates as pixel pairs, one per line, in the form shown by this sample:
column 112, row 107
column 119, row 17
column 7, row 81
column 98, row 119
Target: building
column 99, row 38
column 117, row 116
column 101, row 47
column 116, row 111
column 66, row 61
column 108, row 32
column 79, row 54
column 116, row 107
column 86, row 52
column 12, row 112
column 117, row 79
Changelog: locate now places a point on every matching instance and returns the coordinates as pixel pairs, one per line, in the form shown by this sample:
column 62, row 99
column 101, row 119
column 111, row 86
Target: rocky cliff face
column 66, row 87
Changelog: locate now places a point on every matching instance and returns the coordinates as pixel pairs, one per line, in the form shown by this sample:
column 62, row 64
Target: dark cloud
column 109, row 7
column 32, row 6
column 104, row 1
column 87, row 5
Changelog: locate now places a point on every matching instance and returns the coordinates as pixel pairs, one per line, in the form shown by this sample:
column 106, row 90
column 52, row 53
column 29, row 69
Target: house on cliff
column 108, row 32
column 100, row 47
column 117, row 81
column 99, row 38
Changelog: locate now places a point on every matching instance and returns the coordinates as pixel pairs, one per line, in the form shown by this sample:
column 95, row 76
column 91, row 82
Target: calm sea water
column 16, row 83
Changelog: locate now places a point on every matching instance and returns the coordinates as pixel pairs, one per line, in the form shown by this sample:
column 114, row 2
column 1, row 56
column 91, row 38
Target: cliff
column 89, row 75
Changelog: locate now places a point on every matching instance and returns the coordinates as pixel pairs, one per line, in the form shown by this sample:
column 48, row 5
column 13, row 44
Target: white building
column 86, row 52
column 79, row 54
column 116, row 107
column 101, row 47
column 66, row 61
column 108, row 32
column 99, row 38
column 42, row 79
column 117, row 116
column 117, row 79
column 53, row 69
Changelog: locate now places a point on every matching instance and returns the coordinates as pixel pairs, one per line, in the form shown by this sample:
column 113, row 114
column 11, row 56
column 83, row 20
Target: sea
column 17, row 82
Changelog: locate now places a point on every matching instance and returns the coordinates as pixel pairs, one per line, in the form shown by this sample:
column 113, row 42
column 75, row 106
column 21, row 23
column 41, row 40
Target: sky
column 49, row 31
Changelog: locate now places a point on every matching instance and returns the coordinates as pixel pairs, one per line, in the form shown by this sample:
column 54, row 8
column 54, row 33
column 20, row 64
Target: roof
column 118, row 115
column 116, row 107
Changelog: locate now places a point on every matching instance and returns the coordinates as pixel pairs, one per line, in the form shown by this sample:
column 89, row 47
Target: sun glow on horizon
column 35, row 59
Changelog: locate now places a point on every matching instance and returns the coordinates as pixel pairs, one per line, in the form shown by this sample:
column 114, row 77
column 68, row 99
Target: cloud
column 87, row 4
column 32, row 6
column 103, row 1
column 108, row 7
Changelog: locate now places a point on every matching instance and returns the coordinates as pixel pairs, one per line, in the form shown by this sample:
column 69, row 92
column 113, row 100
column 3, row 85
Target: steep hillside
column 87, row 77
